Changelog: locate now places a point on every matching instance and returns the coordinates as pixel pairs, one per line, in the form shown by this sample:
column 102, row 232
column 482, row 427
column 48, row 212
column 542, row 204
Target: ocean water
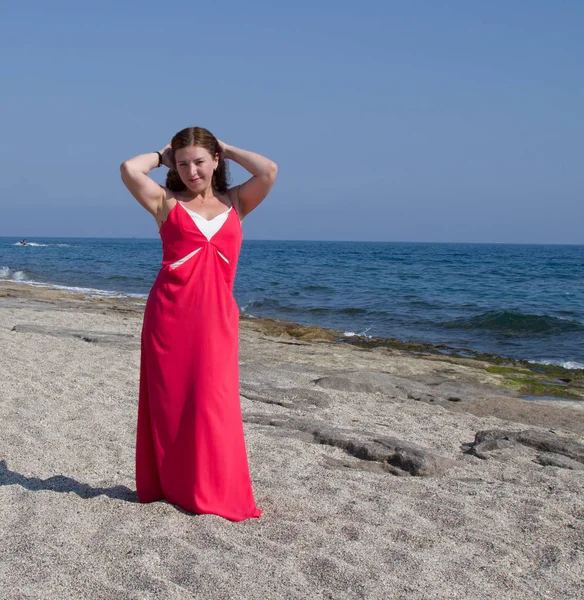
column 521, row 301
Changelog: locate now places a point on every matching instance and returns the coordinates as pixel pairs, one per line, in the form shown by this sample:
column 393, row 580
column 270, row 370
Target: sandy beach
column 382, row 473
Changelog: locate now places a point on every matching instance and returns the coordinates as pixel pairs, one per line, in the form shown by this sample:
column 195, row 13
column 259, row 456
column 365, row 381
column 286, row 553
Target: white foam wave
column 89, row 292
column 362, row 334
column 7, row 273
column 567, row 364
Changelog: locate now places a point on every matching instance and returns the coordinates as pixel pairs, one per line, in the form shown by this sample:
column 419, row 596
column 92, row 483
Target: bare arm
column 134, row 173
column 255, row 189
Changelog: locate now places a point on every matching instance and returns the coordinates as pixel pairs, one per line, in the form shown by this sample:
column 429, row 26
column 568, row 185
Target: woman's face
column 195, row 167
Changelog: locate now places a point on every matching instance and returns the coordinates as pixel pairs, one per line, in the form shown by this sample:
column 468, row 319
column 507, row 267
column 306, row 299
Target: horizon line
column 335, row 241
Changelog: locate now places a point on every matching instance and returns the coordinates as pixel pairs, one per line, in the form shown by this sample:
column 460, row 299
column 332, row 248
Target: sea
column 514, row 300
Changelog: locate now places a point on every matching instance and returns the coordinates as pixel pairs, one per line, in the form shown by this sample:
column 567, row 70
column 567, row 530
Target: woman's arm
column 134, row 173
column 264, row 172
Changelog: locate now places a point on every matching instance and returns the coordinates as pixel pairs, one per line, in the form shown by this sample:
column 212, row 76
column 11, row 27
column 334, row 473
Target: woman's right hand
column 168, row 157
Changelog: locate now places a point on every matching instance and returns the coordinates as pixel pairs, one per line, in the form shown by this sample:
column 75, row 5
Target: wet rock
column 286, row 329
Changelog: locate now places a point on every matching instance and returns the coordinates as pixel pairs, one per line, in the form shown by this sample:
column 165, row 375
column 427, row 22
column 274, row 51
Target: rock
column 307, row 397
column 550, row 459
column 96, row 337
column 286, row 329
column 548, row 442
column 412, row 458
column 397, row 457
column 427, row 398
column 484, row 449
column 360, row 381
column 492, row 439
column 292, row 398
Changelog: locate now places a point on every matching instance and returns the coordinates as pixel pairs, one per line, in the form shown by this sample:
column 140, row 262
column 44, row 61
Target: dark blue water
column 523, row 301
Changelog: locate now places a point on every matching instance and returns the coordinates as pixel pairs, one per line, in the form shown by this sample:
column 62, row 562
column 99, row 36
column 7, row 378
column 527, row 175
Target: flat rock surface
column 362, row 460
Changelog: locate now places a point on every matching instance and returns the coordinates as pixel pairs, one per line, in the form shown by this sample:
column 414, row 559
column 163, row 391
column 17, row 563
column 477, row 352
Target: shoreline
column 529, row 379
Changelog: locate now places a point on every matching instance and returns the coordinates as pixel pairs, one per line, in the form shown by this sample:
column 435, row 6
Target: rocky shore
column 384, row 469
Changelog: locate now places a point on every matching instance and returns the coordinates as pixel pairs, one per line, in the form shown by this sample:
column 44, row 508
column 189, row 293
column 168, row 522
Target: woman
column 190, row 447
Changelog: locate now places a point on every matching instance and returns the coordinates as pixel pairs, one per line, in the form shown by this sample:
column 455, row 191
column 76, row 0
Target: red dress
column 190, row 447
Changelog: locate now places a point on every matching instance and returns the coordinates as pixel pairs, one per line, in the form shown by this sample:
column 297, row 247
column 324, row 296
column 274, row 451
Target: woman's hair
column 198, row 136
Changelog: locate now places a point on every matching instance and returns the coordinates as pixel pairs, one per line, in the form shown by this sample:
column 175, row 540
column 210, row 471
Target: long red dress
column 190, row 446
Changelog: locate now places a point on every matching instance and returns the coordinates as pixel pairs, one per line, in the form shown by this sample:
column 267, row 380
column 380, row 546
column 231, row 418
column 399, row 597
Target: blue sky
column 454, row 121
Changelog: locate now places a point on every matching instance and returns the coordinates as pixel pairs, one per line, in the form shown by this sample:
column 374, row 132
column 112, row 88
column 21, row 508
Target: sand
column 334, row 433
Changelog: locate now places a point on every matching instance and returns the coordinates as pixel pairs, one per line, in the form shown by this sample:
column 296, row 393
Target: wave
column 567, row 364
column 361, row 334
column 90, row 292
column 515, row 323
column 6, row 273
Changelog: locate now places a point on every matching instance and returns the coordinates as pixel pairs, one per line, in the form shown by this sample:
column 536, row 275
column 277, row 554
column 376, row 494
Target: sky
column 419, row 121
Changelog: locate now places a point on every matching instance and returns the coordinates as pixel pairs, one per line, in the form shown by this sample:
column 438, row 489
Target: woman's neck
column 202, row 197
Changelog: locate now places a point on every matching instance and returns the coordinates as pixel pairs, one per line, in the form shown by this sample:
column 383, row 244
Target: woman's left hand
column 222, row 148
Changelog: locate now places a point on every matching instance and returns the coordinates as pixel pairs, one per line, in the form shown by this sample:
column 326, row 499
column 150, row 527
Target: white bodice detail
column 208, row 227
